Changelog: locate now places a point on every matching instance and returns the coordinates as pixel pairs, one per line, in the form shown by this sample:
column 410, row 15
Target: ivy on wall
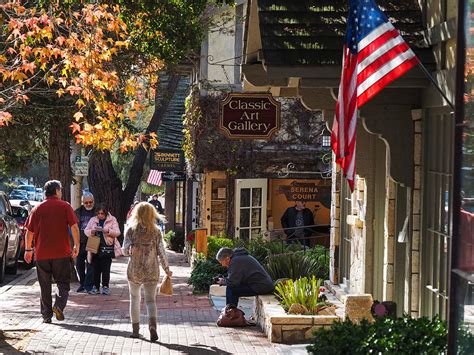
column 206, row 147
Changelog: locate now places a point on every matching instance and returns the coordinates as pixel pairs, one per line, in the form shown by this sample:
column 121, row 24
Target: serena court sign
column 249, row 116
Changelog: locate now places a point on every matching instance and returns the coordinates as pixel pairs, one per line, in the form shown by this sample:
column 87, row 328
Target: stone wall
column 281, row 327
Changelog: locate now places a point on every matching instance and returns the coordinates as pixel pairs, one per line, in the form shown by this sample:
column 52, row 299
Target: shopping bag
column 166, row 287
column 93, row 243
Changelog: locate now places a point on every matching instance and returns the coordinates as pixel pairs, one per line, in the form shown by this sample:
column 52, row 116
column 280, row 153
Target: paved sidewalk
column 101, row 325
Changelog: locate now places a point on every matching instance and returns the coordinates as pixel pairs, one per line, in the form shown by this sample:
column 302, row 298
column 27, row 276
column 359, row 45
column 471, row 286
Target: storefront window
column 462, row 275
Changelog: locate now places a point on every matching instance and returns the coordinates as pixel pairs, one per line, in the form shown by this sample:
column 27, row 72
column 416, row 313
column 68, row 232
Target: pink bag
column 117, row 248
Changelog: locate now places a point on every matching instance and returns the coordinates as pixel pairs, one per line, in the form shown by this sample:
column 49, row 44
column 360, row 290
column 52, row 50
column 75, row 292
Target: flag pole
column 433, row 81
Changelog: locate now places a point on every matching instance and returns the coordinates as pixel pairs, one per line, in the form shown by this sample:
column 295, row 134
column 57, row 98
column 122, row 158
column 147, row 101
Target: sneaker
column 105, row 291
column 93, row 291
column 58, row 313
column 81, row 289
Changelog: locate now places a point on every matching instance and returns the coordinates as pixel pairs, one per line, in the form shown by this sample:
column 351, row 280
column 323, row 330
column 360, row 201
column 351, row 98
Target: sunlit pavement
column 101, row 324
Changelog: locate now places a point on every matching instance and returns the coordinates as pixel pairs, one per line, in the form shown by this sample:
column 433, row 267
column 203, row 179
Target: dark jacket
column 288, row 220
column 244, row 269
column 157, row 205
column 83, row 216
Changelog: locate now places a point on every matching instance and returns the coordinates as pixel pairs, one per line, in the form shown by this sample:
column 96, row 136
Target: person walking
column 144, row 244
column 48, row 225
column 106, row 227
column 84, row 269
column 157, row 204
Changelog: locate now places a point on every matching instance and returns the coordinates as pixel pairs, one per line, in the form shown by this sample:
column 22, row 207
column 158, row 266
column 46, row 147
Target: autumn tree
column 105, row 58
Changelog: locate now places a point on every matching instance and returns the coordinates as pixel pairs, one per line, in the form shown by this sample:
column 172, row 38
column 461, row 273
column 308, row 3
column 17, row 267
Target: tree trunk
column 105, row 185
column 59, row 155
column 103, row 179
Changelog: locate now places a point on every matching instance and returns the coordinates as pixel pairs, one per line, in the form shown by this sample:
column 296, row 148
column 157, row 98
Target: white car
column 30, row 190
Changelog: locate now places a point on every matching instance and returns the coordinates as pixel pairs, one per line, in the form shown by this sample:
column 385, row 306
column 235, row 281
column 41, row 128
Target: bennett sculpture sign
column 167, row 159
column 249, row 116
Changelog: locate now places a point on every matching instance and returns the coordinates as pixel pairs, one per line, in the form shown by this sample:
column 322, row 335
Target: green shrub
column 293, row 266
column 321, row 255
column 404, row 335
column 257, row 247
column 304, row 291
column 203, row 274
column 174, row 241
column 167, row 238
column 215, row 243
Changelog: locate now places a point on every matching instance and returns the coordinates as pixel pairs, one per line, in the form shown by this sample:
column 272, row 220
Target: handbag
column 231, row 316
column 93, row 243
column 107, row 251
column 117, row 248
column 166, row 287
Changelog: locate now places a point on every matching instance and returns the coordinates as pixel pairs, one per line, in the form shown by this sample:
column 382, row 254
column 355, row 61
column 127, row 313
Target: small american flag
column 374, row 55
column 154, row 177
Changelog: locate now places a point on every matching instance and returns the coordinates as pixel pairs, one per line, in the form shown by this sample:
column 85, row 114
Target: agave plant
column 293, row 266
column 303, row 291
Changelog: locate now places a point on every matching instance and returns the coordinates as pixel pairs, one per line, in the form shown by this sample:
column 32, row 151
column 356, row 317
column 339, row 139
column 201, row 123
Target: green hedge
column 203, row 274
column 215, row 243
column 403, row 335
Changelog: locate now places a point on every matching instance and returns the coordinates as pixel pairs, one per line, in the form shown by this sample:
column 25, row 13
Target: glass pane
column 244, row 234
column 245, row 198
column 256, row 217
column 244, row 217
column 257, row 197
column 255, row 232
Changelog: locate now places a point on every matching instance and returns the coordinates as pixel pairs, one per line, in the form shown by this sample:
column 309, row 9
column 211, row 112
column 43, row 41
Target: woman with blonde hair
column 144, row 244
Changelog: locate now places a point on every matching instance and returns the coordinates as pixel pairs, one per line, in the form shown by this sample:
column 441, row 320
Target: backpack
column 231, row 316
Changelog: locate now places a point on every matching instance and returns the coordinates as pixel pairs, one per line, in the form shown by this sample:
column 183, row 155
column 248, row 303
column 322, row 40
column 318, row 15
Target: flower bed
column 281, row 327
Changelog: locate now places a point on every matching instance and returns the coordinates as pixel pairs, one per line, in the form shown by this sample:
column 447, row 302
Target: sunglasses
column 100, row 213
column 88, row 202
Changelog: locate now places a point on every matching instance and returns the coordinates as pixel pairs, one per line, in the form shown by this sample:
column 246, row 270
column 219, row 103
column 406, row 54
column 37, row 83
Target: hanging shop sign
column 167, row 160
column 249, row 116
column 173, row 176
column 301, row 191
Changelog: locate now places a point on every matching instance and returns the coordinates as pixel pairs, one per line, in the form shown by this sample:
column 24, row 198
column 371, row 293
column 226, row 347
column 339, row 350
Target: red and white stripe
column 382, row 57
column 154, row 178
column 345, row 121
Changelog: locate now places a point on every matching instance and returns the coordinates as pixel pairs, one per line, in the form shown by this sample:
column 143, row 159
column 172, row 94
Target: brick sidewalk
column 101, row 325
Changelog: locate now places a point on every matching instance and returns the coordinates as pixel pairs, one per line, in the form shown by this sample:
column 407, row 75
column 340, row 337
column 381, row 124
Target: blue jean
column 232, row 294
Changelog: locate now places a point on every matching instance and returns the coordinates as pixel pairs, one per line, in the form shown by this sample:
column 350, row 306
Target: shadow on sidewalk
column 198, row 349
column 94, row 329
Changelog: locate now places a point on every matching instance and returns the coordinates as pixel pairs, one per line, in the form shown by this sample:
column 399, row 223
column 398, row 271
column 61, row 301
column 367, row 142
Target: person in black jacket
column 293, row 221
column 84, row 269
column 245, row 275
column 157, row 204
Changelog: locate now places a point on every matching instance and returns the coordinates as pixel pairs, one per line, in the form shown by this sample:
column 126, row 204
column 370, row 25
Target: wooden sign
column 167, row 160
column 249, row 116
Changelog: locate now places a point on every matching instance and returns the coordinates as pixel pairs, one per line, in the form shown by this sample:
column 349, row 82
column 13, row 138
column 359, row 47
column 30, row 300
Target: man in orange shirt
column 48, row 224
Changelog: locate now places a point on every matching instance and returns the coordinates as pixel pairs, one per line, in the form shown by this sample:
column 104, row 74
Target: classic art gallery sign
column 249, row 116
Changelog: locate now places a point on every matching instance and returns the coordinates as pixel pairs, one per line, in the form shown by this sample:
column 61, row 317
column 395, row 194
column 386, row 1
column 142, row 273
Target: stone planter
column 281, row 327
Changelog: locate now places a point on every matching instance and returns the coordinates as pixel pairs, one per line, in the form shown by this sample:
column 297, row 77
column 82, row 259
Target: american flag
column 374, row 55
column 154, row 177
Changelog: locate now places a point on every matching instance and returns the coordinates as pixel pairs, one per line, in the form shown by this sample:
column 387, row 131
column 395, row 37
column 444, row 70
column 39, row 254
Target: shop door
column 250, row 208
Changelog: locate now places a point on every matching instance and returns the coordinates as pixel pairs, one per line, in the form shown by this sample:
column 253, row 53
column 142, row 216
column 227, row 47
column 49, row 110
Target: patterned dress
column 145, row 248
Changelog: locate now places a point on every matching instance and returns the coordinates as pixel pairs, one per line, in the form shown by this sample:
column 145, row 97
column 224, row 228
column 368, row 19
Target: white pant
column 135, row 299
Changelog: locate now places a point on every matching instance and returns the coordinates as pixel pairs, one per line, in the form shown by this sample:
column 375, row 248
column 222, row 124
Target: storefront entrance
column 250, row 208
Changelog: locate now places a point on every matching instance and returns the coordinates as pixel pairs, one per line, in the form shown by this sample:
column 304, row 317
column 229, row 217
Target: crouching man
column 246, row 277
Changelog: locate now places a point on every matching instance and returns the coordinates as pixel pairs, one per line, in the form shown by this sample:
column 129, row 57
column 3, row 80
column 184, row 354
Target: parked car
column 21, row 211
column 9, row 238
column 39, row 194
column 18, row 195
column 30, row 189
